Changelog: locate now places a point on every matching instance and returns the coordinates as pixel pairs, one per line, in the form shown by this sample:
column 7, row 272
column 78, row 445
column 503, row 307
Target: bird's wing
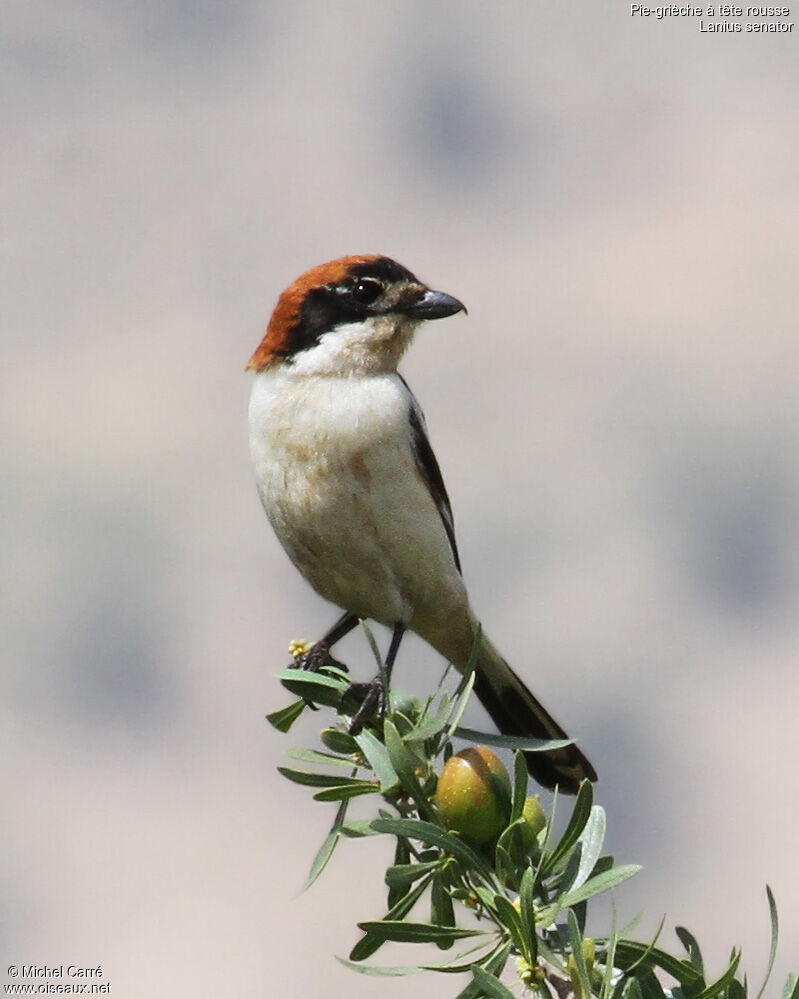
column 429, row 470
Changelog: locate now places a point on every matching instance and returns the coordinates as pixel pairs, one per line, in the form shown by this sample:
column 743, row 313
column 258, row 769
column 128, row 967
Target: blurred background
column 617, row 419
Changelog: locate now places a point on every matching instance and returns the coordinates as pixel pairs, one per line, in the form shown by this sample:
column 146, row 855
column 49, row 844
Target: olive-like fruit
column 473, row 794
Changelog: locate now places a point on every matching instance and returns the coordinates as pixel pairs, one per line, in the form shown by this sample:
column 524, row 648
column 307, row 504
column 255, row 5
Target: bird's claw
column 373, row 700
column 314, row 658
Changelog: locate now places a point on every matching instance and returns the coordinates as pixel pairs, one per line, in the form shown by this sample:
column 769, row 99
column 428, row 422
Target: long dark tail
column 516, row 712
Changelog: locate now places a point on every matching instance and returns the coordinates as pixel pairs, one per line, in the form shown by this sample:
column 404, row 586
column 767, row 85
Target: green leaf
column 323, row 855
column 401, row 875
column 341, row 792
column 328, row 846
column 512, row 921
column 508, row 854
column 283, row 719
column 599, row 884
column 650, row 986
column 431, row 723
column 791, row 990
column 402, row 858
column 493, row 963
column 382, row 972
column 591, row 840
column 436, row 836
column 736, row 990
column 579, row 818
column 449, row 967
column 442, row 912
column 490, row 986
column 497, row 959
column 775, row 932
column 521, row 782
column 527, row 913
column 688, row 940
column 404, row 932
column 576, row 941
column 339, row 741
column 466, row 686
column 721, row 985
column 306, row 678
column 528, row 744
column 313, row 756
column 369, row 943
column 405, row 767
column 358, row 828
column 379, row 760
column 632, row 990
column 315, row 687
column 610, row 960
column 629, row 953
column 318, row 780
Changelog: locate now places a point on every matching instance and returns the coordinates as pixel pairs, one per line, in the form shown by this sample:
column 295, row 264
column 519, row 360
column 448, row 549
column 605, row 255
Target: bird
column 352, row 488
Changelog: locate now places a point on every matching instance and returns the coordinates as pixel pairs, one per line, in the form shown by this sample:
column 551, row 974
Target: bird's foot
column 314, row 658
column 371, row 699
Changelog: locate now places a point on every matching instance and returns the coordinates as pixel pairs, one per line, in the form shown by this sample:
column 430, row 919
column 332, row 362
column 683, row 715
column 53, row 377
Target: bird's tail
column 515, row 711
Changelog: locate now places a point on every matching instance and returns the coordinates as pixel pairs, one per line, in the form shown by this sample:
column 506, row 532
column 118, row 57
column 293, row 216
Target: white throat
column 373, row 346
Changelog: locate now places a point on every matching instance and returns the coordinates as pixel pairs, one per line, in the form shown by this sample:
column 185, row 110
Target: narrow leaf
column 315, row 687
column 579, row 817
column 527, row 743
column 405, row 767
column 591, row 840
column 358, row 828
column 435, row 836
column 719, row 987
column 601, row 883
column 629, row 953
column 520, row 783
column 431, row 723
column 650, row 986
column 775, row 932
column 322, row 857
column 460, row 707
column 610, row 960
column 404, row 932
column 791, row 990
column 401, row 875
column 527, row 912
column 382, row 972
column 490, row 986
column 368, row 943
column 379, row 760
column 341, row 792
column 688, row 940
column 326, row 849
column 442, row 912
column 512, row 921
column 317, row 780
column 575, row 938
column 339, row 741
column 313, row 756
column 283, row 719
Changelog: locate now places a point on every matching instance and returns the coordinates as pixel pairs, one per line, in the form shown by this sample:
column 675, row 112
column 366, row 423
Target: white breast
column 338, row 480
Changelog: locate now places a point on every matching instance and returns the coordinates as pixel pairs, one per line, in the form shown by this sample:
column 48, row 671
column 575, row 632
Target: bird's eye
column 366, row 290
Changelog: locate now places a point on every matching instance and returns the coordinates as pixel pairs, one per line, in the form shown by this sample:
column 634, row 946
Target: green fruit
column 533, row 813
column 473, row 794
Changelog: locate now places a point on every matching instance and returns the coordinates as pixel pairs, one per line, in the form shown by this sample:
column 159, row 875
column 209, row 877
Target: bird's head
column 352, row 314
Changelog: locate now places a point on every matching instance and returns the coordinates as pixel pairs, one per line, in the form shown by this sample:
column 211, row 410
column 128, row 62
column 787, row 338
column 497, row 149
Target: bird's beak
column 433, row 305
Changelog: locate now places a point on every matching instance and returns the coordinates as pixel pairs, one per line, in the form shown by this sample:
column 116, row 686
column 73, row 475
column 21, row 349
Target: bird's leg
column 318, row 656
column 375, row 694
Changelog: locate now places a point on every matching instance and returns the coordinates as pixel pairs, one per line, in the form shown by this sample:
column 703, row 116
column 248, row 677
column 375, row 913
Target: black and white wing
column 429, row 470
